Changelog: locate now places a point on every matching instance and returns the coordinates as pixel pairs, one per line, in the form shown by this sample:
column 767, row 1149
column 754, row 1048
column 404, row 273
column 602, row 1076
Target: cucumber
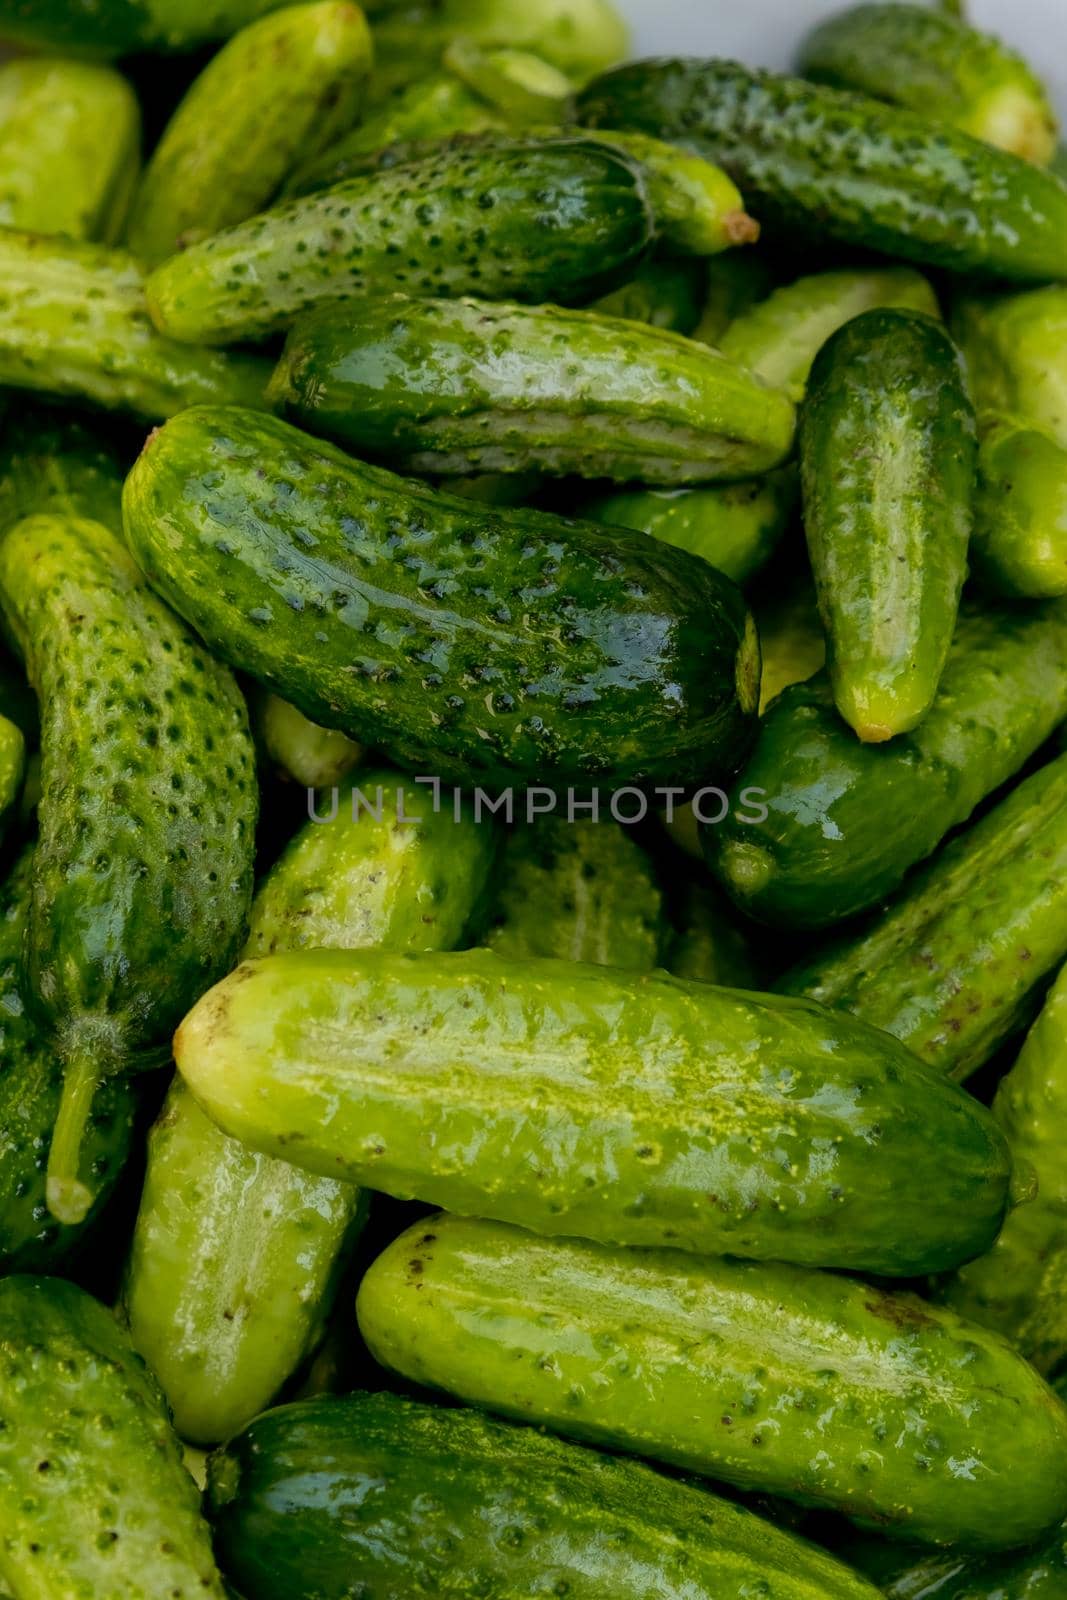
column 663, row 292
column 94, row 1498
column 888, row 453
column 698, row 210
column 636, row 1109
column 1019, row 544
column 51, row 460
column 110, row 28
column 709, row 946
column 936, row 65
column 736, row 281
column 70, row 148
column 848, row 820
column 857, row 171
column 463, row 1505
column 792, row 640
column 142, row 875
column 12, row 767
column 417, row 607
column 735, row 527
column 903, row 1574
column 778, row 338
column 579, row 891
column 282, row 89
column 297, row 748
column 793, row 1382
column 1015, row 347
column 952, row 967
column 73, row 322
column 521, row 85
column 1043, row 1330
column 457, row 386
column 236, row 1256
column 464, row 218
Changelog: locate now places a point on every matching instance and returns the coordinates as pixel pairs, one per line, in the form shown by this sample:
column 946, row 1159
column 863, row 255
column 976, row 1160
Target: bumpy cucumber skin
column 923, row 58
column 463, row 1505
column 73, row 322
column 847, row 820
column 297, row 748
column 282, row 89
column 1042, row 1332
column 462, row 220
column 70, row 137
column 111, row 28
column 94, row 1497
column 457, row 671
column 951, row 968
column 888, row 453
column 450, row 387
column 771, row 1377
column 12, row 766
column 579, row 891
column 53, row 461
column 735, row 527
column 1019, row 544
column 334, row 1060
column 664, row 292
column 864, row 173
column 778, row 338
column 1015, row 347
column 698, row 209
column 792, row 641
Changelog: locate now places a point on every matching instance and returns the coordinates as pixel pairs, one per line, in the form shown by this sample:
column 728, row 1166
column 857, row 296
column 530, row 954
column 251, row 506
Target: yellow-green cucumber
column 12, row 768
column 698, row 209
column 297, row 748
column 792, row 637
column 1015, row 348
column 1019, row 543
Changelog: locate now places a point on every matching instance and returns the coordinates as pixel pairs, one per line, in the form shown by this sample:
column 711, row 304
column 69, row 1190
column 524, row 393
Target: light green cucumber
column 298, row 748
column 12, row 768
column 1015, row 347
column 282, row 89
column 70, row 148
column 698, row 209
column 664, row 292
column 119, row 27
column 779, row 337
column 73, row 322
column 736, row 281
column 1019, row 544
column 792, row 638
column 1042, row 1330
column 522, row 86
column 806, row 1384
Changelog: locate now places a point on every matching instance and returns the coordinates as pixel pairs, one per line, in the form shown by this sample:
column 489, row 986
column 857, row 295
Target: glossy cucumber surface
column 1019, row 545
column 52, row 460
column 297, row 748
column 698, row 209
column 117, row 27
column 1015, row 347
column 663, row 292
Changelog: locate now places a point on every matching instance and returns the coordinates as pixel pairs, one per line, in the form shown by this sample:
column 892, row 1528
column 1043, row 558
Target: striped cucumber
column 1042, row 1330
column 1019, row 544
column 457, row 386
column 663, row 292
column 51, row 460
column 297, row 748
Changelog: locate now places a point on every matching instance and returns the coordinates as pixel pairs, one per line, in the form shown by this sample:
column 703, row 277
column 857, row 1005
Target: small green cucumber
column 633, row 1108
column 698, row 209
column 73, row 322
column 1019, row 544
column 904, row 1573
column 853, row 169
column 736, row 527
column 111, row 28
column 581, row 891
column 52, row 460
column 94, row 1498
column 1015, row 347
column 847, row 820
column 70, row 148
column 779, row 337
column 792, row 640
column 282, row 89
column 522, row 86
column 663, row 292
column 933, row 63
column 463, row 1504
column 736, row 281
column 709, row 945
column 888, row 454
column 770, row 1377
column 298, row 748
column 1042, row 1330
column 430, row 626
column 953, row 965
column 12, row 768
column 522, row 218
column 450, row 387
column 143, row 870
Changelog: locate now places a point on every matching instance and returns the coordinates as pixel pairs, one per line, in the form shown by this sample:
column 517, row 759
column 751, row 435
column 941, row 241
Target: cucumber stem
column 68, row 1198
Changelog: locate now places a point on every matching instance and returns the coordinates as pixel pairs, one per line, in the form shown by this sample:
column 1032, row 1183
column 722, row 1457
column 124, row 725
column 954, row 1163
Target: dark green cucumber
column 73, row 322
column 522, row 218
column 709, row 945
column 94, row 1498
column 70, row 147
column 858, row 171
column 954, row 964
column 736, row 282
column 888, row 451
column 282, row 89
column 1015, row 347
column 698, row 208
column 143, row 871
column 663, row 292
column 51, row 460
column 116, row 27
column 1042, row 1331
column 449, row 387
column 297, row 748
column 581, row 891
column 632, row 1108
column 847, row 820
column 904, row 1573
column 933, row 63
column 431, row 626
column 1019, row 544
column 736, row 527
column 805, row 1384
column 463, row 1505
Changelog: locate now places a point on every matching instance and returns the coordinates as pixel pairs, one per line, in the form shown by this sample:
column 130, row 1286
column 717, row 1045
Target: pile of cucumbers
column 533, row 808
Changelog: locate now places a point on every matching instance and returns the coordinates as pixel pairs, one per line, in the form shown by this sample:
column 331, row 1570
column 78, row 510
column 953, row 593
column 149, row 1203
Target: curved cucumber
column 70, row 148
column 858, row 171
column 143, row 870
column 484, row 207
column 888, row 450
column 1019, row 544
column 779, row 337
column 298, row 748
column 805, row 1384
column 118, row 27
column 93, row 1494
column 634, row 1109
column 847, row 820
column 51, row 460
column 933, row 63
column 514, row 1513
column 73, row 322
column 457, row 386
column 12, row 767
column 663, row 292
column 1015, row 347
column 953, row 965
column 698, row 209
column 430, row 626
column 282, row 89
